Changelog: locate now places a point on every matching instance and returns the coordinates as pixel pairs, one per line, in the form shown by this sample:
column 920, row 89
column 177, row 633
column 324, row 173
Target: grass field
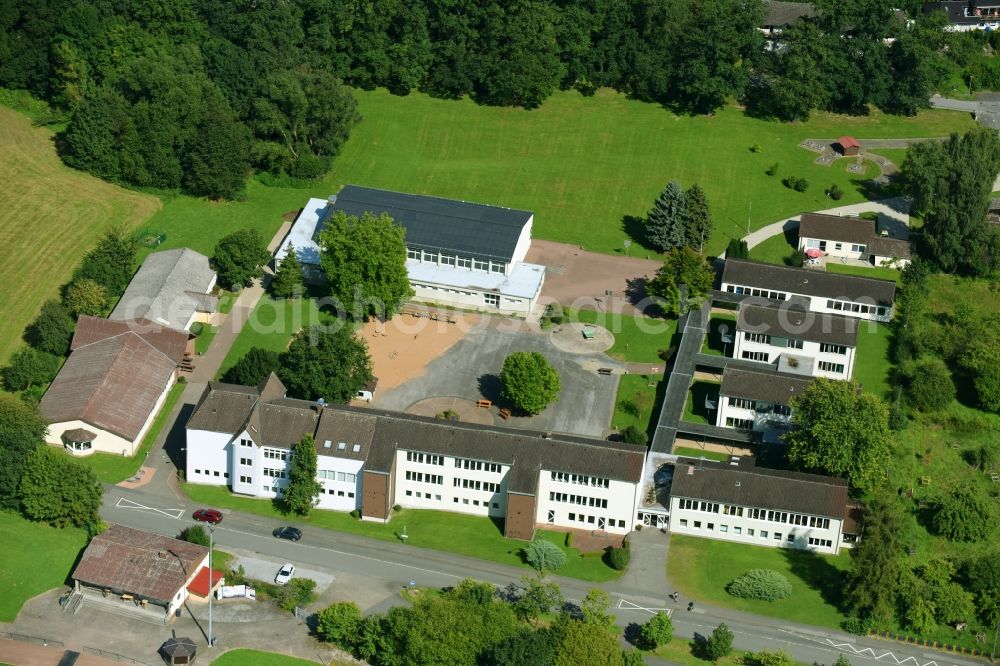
column 638, row 339
column 36, row 558
column 637, row 403
column 472, row 536
column 700, row 453
column 876, row 272
column 684, row 651
column 701, row 568
column 114, row 469
column 258, row 658
column 52, row 215
column 586, row 164
column 872, row 364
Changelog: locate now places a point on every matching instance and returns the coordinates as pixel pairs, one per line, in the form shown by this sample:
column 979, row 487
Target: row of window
column 755, row 514
column 828, row 348
column 848, row 306
column 755, row 356
column 425, row 458
column 246, row 442
column 341, row 446
column 277, row 454
column 739, row 424
column 695, row 505
column 762, row 407
column 275, row 473
column 209, row 472
column 330, row 475
column 579, row 499
column 457, row 500
column 340, row 493
column 821, row 244
column 420, row 477
column 432, row 287
column 825, row 543
column 589, row 520
column 759, row 338
column 432, row 257
column 738, row 531
column 470, row 484
column 477, row 465
column 826, row 366
column 765, row 293
column 583, row 480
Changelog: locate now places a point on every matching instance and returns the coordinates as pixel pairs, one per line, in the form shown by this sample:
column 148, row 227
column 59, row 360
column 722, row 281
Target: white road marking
column 870, row 652
column 123, row 503
column 625, row 604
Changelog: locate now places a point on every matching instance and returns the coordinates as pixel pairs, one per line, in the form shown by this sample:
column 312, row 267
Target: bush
column 773, row 169
column 29, row 367
column 755, row 148
column 544, row 556
column 835, row 192
column 339, row 623
column 763, row 584
column 197, row 328
column 355, row 513
column 195, row 534
column 554, row 313
column 928, row 383
column 796, row 259
column 796, row 183
column 569, row 539
column 737, row 249
column 397, row 508
column 719, row 644
column 448, row 415
column 767, row 658
column 965, row 514
column 298, row 592
column 634, row 435
column 855, row 625
column 619, row 558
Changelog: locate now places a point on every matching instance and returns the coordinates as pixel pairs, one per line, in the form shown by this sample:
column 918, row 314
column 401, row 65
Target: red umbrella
column 814, row 253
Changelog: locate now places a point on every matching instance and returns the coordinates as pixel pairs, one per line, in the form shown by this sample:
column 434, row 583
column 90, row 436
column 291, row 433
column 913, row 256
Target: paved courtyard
column 470, row 369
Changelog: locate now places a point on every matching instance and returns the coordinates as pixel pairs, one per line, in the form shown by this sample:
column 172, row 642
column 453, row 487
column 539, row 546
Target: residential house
column 797, row 341
column 852, row 238
column 172, row 288
column 736, row 501
column 758, row 400
column 967, row 15
column 460, row 254
column 141, row 569
column 371, row 460
column 111, row 387
column 830, row 293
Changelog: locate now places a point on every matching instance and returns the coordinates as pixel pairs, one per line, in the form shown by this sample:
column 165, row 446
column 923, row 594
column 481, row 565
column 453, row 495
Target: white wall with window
column 834, row 248
column 341, row 479
column 755, row 526
column 863, row 308
column 755, row 415
column 209, row 457
column 829, row 360
column 586, row 502
column 446, row 483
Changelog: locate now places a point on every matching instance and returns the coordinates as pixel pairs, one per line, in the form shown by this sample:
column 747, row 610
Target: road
column 389, row 566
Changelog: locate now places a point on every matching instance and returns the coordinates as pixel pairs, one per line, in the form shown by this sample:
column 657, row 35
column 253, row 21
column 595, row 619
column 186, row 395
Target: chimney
column 332, row 199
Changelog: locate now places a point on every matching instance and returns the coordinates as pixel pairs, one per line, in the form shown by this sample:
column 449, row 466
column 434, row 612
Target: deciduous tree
column 21, row 431
column 929, row 386
column 964, row 514
column 529, row 381
column 658, row 630
column 581, row 645
column 84, row 296
column 338, row 623
column 111, row 263
column 255, row 366
column 239, row 258
column 719, row 643
column 29, row 367
column 324, row 363
column 535, row 597
column 595, row 608
column 303, row 487
column 52, row 329
column 365, row 262
column 682, row 266
column 58, row 490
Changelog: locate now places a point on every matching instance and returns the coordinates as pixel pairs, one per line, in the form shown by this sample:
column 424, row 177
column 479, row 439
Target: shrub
column 355, row 513
column 767, row 658
column 737, row 249
column 619, row 558
column 634, row 435
column 29, row 367
column 397, row 508
column 773, row 169
column 195, row 534
column 835, row 192
column 447, row 415
column 657, row 631
column 719, row 644
column 855, row 625
column 544, row 556
column 569, row 539
column 338, row 623
column 928, row 383
column 965, row 514
column 755, row 148
column 554, row 313
column 796, row 183
column 763, row 584
column 298, row 592
column 796, row 259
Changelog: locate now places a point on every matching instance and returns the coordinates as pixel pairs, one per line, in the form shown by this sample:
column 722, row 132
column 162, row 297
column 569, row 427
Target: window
column 351, row 495
column 741, row 403
column 481, row 265
column 737, row 531
column 246, row 442
column 724, row 528
column 793, row 343
column 244, row 479
column 777, row 536
column 837, row 368
column 246, row 461
column 697, row 524
column 413, row 254
column 497, row 268
column 215, row 473
column 710, row 527
column 341, row 446
column 827, row 348
column 857, row 248
column 739, row 424
column 447, row 260
column 763, row 534
column 495, row 505
column 755, row 356
column 791, row 538
column 825, row 543
column 757, row 337
column 409, row 493
column 493, row 300
column 838, row 246
column 425, row 458
column 749, row 531
column 464, row 262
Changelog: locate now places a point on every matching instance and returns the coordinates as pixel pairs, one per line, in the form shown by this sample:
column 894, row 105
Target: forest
column 179, row 94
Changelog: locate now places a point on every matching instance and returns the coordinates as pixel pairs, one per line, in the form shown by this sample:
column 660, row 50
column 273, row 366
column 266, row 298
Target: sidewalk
column 896, row 208
column 29, row 654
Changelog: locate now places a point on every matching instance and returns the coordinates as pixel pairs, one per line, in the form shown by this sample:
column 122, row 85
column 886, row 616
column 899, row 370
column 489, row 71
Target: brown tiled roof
column 80, row 435
column 836, row 228
column 112, row 384
column 282, row 423
column 140, row 563
column 794, row 322
column 807, row 282
column 764, row 385
column 848, row 142
column 171, row 342
column 882, row 246
column 760, row 488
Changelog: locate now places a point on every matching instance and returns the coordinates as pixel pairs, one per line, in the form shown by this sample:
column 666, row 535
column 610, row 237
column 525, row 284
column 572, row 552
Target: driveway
column 470, row 370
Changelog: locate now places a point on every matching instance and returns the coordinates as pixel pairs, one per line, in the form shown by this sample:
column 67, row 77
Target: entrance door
column 647, row 519
column 601, row 523
column 492, row 299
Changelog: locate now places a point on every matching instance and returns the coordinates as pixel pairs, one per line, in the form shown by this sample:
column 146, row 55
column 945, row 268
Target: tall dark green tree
column 52, row 329
column 324, row 363
column 696, row 217
column 288, row 279
column 255, row 366
column 665, row 223
column 58, row 490
column 21, row 431
column 876, row 577
column 29, row 367
column 303, row 488
column 111, row 263
column 218, row 160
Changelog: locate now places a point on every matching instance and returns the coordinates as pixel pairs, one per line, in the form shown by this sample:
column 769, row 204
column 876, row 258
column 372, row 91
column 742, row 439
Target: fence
column 28, row 638
column 113, row 655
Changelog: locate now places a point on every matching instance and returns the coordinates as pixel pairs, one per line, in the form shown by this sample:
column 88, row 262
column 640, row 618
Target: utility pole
column 211, row 543
column 749, row 212
column 970, row 85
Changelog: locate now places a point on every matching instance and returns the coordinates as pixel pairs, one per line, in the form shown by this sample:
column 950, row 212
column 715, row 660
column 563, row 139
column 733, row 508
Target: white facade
column 820, row 359
column 446, row 483
column 208, row 457
column 586, row 502
column 834, row 248
column 753, row 526
column 744, row 414
column 861, row 308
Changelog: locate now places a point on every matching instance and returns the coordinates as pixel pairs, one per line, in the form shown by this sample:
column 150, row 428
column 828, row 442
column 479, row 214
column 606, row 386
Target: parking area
column 469, row 370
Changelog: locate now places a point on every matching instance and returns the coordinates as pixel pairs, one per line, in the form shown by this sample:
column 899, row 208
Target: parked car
column 213, row 516
column 288, row 532
column 285, row 574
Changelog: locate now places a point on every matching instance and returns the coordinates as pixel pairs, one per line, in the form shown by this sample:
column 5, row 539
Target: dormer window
column 342, row 446
column 357, row 448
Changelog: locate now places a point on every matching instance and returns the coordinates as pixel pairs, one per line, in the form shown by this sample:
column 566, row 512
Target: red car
column 208, row 516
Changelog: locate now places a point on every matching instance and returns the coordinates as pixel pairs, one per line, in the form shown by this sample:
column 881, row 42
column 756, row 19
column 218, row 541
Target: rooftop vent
column 161, row 554
column 737, row 484
column 332, row 199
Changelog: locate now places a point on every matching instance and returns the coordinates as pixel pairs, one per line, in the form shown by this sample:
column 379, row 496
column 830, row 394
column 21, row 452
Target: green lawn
column 775, row 249
column 871, row 364
column 694, row 408
column 876, row 272
column 114, row 469
column 226, row 302
column 36, row 558
column 683, row 651
column 699, row 453
column 258, row 658
column 713, row 344
column 701, row 568
column 472, row 536
column 586, row 165
column 204, row 340
column 272, row 324
column 637, row 403
column 638, row 339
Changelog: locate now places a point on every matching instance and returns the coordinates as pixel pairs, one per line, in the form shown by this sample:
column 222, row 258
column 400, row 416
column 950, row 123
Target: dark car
column 290, row 533
column 208, row 516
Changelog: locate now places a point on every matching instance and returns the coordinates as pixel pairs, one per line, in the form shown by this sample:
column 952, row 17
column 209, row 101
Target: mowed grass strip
column 244, row 657
column 701, row 569
column 472, row 536
column 35, row 558
column 51, row 216
column 583, row 164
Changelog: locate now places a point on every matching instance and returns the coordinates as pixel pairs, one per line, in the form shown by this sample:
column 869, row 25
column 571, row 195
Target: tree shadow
column 490, row 387
column 639, row 298
column 635, row 228
column 716, row 331
column 817, row 573
column 700, row 392
column 632, row 633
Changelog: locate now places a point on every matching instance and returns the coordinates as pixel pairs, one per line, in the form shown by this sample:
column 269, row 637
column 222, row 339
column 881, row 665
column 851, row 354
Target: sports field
column 50, row 215
column 583, row 164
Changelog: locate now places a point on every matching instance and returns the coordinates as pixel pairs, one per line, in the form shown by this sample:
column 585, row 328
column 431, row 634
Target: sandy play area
column 402, row 347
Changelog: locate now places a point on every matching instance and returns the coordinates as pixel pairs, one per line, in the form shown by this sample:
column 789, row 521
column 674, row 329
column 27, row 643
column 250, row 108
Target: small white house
column 835, row 236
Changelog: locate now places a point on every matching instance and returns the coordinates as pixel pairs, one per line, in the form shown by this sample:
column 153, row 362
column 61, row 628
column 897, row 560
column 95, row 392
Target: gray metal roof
column 760, row 488
column 794, row 322
column 762, row 385
column 433, row 223
column 808, row 282
column 168, row 289
column 836, row 228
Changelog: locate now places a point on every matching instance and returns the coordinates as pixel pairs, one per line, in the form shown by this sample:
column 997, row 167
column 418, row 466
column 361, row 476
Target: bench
column 484, row 404
column 604, row 371
column 505, row 413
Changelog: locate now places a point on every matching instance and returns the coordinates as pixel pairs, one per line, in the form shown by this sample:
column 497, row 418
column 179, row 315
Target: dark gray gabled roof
column 881, row 246
column 769, row 385
column 808, row 282
column 350, row 428
column 836, row 228
column 781, row 14
column 433, row 223
column 760, row 488
column 794, row 322
column 223, row 408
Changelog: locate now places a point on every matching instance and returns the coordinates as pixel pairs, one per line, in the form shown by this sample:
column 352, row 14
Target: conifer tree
column 665, row 222
column 288, row 279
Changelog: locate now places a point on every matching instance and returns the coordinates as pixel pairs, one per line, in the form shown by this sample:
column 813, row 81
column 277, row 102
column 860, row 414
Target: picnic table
column 588, row 332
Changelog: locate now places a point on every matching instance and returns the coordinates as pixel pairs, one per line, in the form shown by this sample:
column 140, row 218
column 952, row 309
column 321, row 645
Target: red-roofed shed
column 849, row 146
column 200, row 586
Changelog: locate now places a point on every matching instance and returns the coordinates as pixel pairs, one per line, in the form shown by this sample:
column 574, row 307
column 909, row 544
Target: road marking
column 870, row 652
column 123, row 503
column 625, row 604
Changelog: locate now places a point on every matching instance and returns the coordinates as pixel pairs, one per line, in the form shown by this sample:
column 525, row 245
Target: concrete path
column 895, row 209
column 939, row 102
